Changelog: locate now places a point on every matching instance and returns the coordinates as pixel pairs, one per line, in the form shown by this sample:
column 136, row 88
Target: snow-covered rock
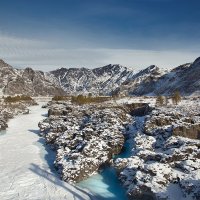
column 165, row 164
column 10, row 110
column 84, row 137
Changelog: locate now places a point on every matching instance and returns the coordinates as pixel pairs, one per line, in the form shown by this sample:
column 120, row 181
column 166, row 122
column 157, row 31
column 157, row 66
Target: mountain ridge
column 106, row 80
column 98, row 80
column 184, row 78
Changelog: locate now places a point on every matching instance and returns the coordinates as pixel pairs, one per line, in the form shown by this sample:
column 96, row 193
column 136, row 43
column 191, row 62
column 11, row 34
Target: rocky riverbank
column 165, row 159
column 84, row 137
column 9, row 110
column 165, row 162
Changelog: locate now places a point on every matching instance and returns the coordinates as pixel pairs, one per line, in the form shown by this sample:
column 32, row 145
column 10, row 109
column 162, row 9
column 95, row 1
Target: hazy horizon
column 47, row 68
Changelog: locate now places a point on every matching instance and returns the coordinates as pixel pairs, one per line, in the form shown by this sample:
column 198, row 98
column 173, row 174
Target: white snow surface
column 24, row 163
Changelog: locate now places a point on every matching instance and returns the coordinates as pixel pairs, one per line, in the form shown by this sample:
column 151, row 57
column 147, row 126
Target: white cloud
column 43, row 55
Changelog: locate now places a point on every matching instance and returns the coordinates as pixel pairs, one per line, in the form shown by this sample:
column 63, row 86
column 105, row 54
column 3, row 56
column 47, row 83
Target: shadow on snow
column 108, row 175
column 54, row 179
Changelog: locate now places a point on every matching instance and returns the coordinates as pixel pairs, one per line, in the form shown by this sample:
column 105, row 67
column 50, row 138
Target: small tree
column 166, row 101
column 90, row 95
column 160, row 100
column 176, row 97
column 81, row 99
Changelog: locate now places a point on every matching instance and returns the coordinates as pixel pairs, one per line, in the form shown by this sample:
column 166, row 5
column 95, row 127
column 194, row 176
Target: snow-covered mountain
column 153, row 81
column 102, row 80
column 142, row 82
column 99, row 80
column 26, row 81
column 150, row 81
column 185, row 78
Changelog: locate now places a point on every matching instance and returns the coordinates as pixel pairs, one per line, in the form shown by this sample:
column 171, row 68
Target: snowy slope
column 26, row 81
column 98, row 80
column 184, row 78
column 143, row 82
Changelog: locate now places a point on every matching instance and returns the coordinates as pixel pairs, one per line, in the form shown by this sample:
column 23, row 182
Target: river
column 105, row 184
column 27, row 172
column 26, row 163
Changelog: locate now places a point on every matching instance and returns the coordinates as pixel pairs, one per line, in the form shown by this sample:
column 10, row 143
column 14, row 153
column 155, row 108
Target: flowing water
column 105, row 184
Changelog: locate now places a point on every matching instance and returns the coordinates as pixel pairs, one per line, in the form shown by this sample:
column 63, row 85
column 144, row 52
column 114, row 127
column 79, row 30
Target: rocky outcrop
column 190, row 131
column 151, row 173
column 176, row 121
column 165, row 162
column 59, row 110
column 137, row 109
column 3, row 124
column 8, row 111
column 84, row 137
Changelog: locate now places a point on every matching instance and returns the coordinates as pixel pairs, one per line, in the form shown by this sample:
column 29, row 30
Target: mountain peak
column 197, row 61
column 152, row 68
column 109, row 69
column 2, row 61
column 4, row 64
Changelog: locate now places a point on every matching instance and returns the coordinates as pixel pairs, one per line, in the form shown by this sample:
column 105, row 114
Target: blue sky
column 48, row 34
